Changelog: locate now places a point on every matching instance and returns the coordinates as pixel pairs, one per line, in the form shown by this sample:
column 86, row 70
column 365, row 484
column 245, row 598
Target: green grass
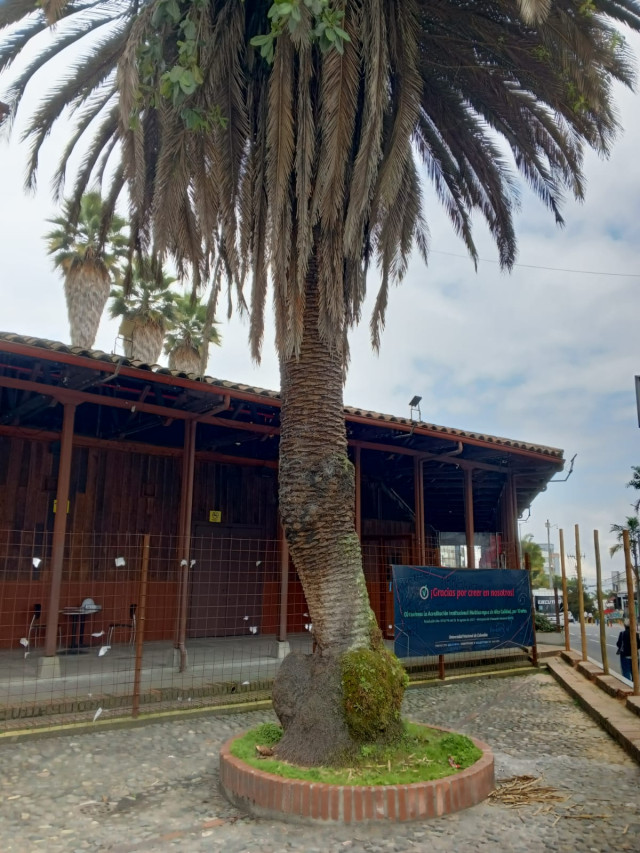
column 421, row 755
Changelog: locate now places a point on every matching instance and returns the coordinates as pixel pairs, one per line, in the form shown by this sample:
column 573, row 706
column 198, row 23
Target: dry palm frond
column 524, row 791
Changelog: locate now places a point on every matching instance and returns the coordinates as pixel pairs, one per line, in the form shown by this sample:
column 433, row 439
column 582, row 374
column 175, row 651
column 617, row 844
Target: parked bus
column 545, row 603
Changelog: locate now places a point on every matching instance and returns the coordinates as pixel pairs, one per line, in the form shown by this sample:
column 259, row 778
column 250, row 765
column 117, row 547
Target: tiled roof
column 225, row 385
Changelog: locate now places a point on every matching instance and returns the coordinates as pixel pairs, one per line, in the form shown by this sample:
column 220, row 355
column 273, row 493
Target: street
column 593, row 643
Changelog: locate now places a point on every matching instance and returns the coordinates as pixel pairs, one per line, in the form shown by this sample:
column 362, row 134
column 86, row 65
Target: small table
column 78, row 616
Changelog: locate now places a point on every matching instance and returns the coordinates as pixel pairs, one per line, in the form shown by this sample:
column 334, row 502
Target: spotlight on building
column 414, row 406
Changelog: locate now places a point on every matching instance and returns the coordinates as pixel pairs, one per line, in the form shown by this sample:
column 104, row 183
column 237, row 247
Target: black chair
column 131, row 625
column 36, row 626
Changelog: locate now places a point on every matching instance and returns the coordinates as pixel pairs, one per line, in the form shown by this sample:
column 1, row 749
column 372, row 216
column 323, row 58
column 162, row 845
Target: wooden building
column 132, row 449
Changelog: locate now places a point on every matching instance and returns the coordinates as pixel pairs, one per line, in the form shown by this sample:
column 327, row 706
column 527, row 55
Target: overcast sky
column 542, row 355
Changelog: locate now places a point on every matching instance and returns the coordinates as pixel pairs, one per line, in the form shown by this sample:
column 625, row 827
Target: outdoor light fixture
column 414, row 406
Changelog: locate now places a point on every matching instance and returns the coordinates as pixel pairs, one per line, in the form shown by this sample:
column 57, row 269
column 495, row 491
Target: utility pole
column 552, row 575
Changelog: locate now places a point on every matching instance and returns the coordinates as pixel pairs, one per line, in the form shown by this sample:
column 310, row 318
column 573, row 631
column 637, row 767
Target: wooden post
column 418, row 490
column 534, row 647
column 140, row 620
column 468, row 518
column 184, row 536
column 633, row 625
column 603, row 633
column 510, row 525
column 565, row 595
column 583, row 630
column 441, row 675
column 59, row 528
column 284, row 586
column 358, row 509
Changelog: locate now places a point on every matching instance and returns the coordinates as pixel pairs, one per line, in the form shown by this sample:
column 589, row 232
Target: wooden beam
column 468, row 519
column 141, row 375
column 59, row 529
column 184, row 535
column 65, row 395
column 134, row 447
column 418, row 491
column 428, row 457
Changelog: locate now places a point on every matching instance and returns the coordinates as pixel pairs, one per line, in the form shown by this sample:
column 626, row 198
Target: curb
column 269, row 796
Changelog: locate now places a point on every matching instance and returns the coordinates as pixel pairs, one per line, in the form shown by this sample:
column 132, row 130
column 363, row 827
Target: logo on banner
column 424, row 592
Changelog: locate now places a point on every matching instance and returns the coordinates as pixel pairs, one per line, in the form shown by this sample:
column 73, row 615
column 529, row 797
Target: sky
column 546, row 353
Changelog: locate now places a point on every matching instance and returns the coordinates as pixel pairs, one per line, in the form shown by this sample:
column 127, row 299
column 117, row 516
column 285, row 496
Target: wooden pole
column 603, row 633
column 59, row 528
column 358, row 510
column 284, row 586
column 468, row 518
column 565, row 594
column 418, row 489
column 140, row 620
column 633, row 625
column 583, row 630
column 186, row 511
column 534, row 647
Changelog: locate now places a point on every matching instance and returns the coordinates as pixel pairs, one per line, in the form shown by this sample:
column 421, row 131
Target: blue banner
column 440, row 611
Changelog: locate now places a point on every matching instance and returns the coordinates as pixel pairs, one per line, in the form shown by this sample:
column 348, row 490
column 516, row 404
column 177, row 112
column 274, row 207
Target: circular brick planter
column 266, row 795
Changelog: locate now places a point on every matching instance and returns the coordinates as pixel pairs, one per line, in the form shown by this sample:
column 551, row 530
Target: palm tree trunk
column 86, row 290
column 317, row 502
column 146, row 341
column 185, row 358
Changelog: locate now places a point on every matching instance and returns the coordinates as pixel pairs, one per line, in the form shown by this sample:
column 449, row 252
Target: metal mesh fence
column 119, row 637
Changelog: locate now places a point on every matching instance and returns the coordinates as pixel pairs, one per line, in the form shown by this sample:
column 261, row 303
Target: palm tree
column 88, row 261
column 539, row 578
column 289, row 141
column 634, row 483
column 184, row 343
column 147, row 311
column 632, row 526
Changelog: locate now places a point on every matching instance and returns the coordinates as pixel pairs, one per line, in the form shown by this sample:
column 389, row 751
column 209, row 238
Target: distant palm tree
column 88, row 262
column 185, row 344
column 147, row 311
column 633, row 527
column 634, row 483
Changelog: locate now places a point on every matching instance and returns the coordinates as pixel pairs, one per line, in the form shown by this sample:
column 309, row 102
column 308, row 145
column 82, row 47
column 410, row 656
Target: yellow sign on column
column 55, row 505
column 215, row 515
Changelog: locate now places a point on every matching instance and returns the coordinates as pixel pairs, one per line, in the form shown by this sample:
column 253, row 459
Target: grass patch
column 423, row 754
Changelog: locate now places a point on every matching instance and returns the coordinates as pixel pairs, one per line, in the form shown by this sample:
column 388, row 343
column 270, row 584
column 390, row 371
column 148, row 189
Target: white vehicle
column 545, row 603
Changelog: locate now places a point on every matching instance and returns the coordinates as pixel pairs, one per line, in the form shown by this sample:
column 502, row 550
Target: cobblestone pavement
column 155, row 788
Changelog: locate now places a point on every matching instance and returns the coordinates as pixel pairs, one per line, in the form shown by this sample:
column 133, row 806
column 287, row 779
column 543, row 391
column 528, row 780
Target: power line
column 538, row 267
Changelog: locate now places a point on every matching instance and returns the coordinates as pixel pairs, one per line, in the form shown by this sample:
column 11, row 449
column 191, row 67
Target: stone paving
column 155, row 787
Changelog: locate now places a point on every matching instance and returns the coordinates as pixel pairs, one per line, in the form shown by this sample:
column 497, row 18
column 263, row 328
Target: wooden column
column 512, row 524
column 583, row 630
column 59, row 528
column 284, row 586
column 468, row 518
column 358, row 510
column 184, row 535
column 418, row 467
column 565, row 593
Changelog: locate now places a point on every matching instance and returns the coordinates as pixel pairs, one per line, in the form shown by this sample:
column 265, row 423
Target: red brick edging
column 266, row 795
